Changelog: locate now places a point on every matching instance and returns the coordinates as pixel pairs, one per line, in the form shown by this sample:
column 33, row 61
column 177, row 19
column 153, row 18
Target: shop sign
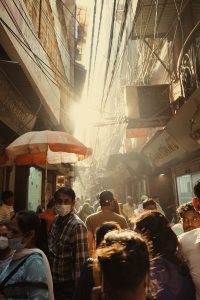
column 45, row 89
column 163, row 149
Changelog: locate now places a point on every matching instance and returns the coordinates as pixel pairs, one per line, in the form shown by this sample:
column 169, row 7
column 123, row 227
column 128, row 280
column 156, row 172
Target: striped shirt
column 68, row 248
column 6, row 212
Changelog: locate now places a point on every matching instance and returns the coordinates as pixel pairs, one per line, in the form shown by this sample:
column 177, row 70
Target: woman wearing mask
column 5, row 252
column 168, row 272
column 27, row 276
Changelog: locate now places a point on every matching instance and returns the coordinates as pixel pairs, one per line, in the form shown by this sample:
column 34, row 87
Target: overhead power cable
column 110, row 46
column 92, row 42
column 41, row 64
column 126, row 9
column 59, row 74
column 98, row 34
column 27, row 49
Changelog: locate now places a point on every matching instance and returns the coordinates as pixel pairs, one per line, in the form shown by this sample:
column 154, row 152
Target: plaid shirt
column 68, row 248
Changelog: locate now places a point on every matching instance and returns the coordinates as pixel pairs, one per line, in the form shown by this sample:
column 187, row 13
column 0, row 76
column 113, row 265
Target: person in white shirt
column 157, row 200
column 6, row 209
column 128, row 208
column 190, row 248
column 140, row 209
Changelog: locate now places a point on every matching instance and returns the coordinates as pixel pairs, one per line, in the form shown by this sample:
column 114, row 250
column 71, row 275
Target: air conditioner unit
column 149, row 105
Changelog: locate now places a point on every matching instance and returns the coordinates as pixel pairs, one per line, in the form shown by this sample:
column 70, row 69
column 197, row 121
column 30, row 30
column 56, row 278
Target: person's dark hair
column 6, row 195
column 155, row 227
column 28, row 220
column 51, row 203
column 197, row 189
column 184, row 208
column 65, row 190
column 124, row 262
column 148, row 202
column 105, row 198
column 103, row 229
column 4, row 223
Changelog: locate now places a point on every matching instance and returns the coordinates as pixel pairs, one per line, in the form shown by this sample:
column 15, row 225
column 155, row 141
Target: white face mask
column 16, row 243
column 3, row 242
column 63, row 209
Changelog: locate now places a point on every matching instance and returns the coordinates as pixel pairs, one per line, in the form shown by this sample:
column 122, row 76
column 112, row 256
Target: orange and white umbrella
column 40, row 147
column 44, row 147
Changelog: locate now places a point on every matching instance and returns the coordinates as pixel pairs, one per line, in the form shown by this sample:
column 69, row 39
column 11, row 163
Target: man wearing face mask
column 68, row 247
column 5, row 252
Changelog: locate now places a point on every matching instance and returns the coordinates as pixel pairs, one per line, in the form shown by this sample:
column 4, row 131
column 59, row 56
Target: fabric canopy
column 39, row 147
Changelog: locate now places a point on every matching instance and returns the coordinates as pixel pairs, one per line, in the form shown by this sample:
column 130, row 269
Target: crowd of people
column 73, row 250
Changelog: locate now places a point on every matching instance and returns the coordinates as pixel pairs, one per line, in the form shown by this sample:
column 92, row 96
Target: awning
column 180, row 138
column 185, row 125
column 162, row 149
column 133, row 163
column 165, row 12
column 148, row 105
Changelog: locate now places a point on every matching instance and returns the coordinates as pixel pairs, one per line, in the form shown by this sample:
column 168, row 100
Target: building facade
column 37, row 65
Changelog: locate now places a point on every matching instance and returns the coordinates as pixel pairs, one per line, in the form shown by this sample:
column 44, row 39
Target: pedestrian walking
column 5, row 252
column 124, row 264
column 190, row 244
column 128, row 208
column 68, row 245
column 105, row 215
column 168, row 272
column 6, row 209
column 85, row 211
column 90, row 275
column 190, row 218
column 28, row 275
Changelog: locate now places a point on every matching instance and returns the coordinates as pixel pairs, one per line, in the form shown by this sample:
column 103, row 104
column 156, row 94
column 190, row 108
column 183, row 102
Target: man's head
column 149, row 204
column 130, row 200
column 106, row 198
column 189, row 217
column 65, row 200
column 8, row 198
column 196, row 199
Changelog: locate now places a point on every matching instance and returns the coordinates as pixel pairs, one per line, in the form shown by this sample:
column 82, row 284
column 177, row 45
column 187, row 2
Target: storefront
column 34, row 188
column 185, row 176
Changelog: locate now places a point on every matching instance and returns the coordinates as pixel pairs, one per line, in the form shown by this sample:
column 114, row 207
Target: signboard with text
column 163, row 149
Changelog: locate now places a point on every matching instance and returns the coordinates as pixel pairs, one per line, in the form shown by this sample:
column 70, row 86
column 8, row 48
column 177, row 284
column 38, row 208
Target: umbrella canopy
column 38, row 147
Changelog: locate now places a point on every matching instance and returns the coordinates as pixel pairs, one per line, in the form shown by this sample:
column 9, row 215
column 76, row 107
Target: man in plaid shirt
column 68, row 245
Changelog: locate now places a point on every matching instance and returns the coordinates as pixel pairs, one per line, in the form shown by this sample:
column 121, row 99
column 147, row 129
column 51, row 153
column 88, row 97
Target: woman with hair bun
column 124, row 264
column 168, row 272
